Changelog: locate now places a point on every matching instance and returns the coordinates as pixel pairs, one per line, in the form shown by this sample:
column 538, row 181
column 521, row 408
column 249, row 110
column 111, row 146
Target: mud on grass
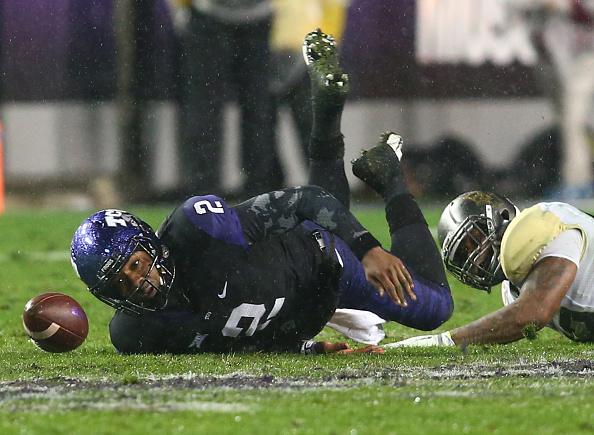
column 13, row 391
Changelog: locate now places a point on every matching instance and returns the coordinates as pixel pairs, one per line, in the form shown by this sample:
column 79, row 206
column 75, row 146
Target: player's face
column 138, row 280
column 469, row 244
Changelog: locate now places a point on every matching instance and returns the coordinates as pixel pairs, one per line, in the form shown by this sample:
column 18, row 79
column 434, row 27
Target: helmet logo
column 113, row 218
column 480, row 197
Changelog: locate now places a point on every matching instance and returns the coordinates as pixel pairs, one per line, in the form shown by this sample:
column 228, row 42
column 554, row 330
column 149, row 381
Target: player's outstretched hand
column 443, row 339
column 342, row 347
column 388, row 274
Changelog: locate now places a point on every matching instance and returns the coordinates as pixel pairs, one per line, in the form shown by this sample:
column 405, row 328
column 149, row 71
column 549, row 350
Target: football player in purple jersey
column 269, row 273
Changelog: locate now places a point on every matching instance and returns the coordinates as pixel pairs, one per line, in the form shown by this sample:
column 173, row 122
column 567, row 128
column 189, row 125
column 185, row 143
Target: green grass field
column 543, row 386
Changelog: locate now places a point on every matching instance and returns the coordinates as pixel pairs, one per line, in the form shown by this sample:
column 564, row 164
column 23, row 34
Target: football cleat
column 329, row 85
column 380, row 165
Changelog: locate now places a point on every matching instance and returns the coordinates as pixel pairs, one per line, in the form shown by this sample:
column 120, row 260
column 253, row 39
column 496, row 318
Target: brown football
column 55, row 322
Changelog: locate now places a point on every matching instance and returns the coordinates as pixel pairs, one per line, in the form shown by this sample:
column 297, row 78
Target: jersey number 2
column 203, row 206
column 251, row 311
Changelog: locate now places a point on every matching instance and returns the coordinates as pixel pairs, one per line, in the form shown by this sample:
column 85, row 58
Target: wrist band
column 307, row 348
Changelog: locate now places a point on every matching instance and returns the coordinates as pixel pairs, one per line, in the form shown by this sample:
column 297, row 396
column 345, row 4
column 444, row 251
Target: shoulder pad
column 526, row 237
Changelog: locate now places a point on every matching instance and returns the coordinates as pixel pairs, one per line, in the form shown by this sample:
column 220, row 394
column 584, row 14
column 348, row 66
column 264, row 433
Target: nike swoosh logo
column 224, row 292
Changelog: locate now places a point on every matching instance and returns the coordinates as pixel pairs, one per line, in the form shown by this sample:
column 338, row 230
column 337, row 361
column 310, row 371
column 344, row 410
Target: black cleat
column 329, row 90
column 329, row 85
column 380, row 166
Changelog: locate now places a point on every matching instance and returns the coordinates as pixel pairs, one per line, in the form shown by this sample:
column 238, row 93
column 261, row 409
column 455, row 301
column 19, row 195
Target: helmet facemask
column 108, row 291
column 471, row 253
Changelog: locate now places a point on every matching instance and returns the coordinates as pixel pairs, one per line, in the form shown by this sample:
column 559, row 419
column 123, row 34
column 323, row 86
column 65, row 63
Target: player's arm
column 540, row 297
column 310, row 347
column 280, row 211
column 163, row 332
column 267, row 215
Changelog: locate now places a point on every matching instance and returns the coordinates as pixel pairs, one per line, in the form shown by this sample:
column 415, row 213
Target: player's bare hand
column 389, row 275
column 328, row 347
column 366, row 349
column 343, row 347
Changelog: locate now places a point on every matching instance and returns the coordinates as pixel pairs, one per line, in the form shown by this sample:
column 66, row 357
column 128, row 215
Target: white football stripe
column 41, row 335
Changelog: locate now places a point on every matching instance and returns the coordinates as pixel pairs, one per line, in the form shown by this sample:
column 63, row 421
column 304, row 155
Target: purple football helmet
column 102, row 245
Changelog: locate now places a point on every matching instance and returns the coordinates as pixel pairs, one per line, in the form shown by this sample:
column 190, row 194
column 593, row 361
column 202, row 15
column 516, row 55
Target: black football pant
column 411, row 239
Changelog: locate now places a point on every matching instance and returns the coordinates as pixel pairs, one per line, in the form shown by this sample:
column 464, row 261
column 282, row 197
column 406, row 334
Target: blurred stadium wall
column 424, row 68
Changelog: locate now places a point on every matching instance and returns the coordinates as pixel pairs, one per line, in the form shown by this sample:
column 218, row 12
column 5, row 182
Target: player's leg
column 329, row 89
column 251, row 70
column 411, row 238
column 412, row 242
column 204, row 68
column 434, row 306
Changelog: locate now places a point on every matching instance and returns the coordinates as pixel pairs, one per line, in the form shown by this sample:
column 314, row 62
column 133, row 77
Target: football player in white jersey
column 543, row 257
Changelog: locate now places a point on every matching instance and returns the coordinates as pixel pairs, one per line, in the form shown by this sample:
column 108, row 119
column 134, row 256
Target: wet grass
column 538, row 386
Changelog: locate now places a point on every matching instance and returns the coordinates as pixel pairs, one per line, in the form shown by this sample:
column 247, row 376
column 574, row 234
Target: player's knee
column 442, row 310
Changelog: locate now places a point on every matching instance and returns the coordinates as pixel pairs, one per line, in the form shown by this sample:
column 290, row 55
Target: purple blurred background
column 65, row 50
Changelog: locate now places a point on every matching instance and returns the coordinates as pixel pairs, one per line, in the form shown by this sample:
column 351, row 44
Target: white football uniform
column 553, row 230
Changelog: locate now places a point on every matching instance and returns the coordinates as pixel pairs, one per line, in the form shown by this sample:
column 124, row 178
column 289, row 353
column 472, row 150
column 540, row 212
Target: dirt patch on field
column 242, row 381
column 191, row 392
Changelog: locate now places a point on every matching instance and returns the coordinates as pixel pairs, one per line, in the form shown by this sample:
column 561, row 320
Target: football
column 55, row 322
